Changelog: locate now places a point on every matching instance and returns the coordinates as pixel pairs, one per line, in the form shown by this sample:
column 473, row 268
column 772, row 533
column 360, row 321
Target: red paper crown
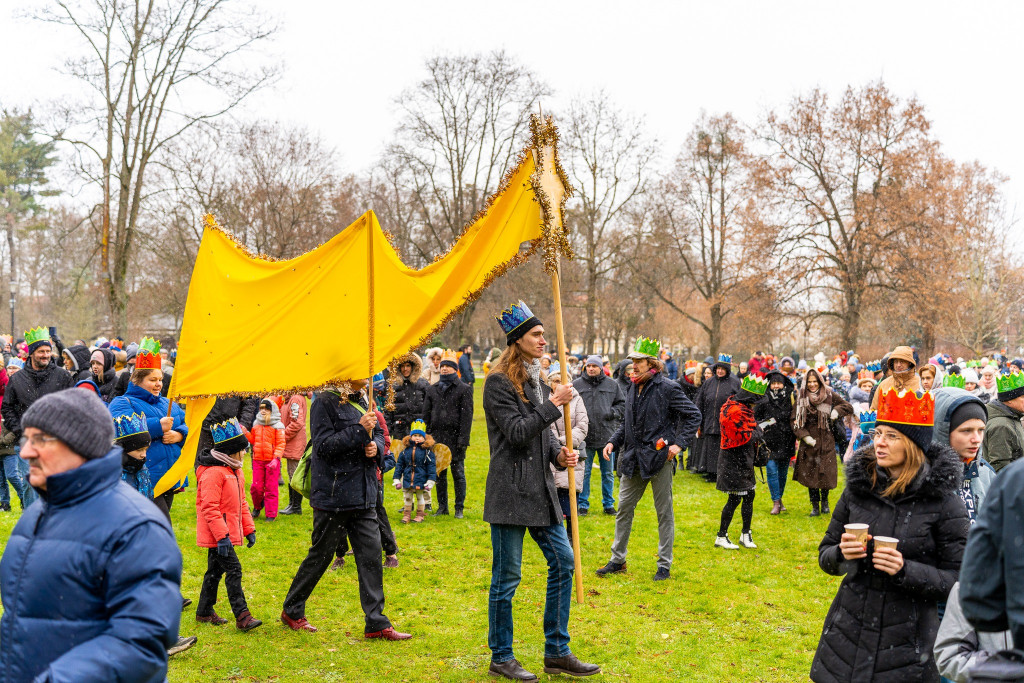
column 865, row 374
column 907, row 408
column 148, row 357
column 690, row 364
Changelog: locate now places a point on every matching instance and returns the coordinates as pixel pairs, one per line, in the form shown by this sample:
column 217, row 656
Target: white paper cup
column 858, row 530
column 886, row 542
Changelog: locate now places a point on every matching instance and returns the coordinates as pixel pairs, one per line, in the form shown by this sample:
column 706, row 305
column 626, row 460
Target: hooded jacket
column 779, row 437
column 79, row 356
column 293, row 415
column 221, row 507
column 911, row 383
column 660, row 411
column 816, row 466
column 979, row 474
column 881, row 628
column 620, row 376
column 410, row 395
column 1004, row 435
column 713, row 394
column 90, row 579
column 267, row 435
column 108, row 380
column 580, row 425
column 416, row 465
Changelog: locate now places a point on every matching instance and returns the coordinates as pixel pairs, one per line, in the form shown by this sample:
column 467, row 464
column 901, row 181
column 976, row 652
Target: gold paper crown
column 449, row 355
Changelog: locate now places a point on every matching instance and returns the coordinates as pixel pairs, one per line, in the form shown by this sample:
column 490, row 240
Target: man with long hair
column 521, row 496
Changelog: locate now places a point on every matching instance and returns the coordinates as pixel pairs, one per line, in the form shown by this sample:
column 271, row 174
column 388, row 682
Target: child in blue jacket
column 415, row 472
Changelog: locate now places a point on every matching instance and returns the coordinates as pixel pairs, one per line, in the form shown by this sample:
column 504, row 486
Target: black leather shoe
column 610, row 511
column 441, row 511
column 569, row 666
column 582, row 512
column 661, row 574
column 611, row 568
column 459, row 515
column 511, row 670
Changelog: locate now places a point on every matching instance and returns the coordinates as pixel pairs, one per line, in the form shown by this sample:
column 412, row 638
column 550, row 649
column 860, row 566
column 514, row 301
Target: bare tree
column 698, row 229
column 460, row 130
column 607, row 154
column 156, row 68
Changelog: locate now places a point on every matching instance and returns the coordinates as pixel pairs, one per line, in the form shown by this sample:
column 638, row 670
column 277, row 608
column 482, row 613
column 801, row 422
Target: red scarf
column 737, row 422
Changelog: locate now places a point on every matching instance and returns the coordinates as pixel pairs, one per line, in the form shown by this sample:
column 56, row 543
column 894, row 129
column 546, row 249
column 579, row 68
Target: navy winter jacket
column 343, row 478
column 416, row 466
column 90, row 581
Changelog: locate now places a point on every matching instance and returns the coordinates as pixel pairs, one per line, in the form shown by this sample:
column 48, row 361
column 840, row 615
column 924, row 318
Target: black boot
column 824, row 502
column 815, row 512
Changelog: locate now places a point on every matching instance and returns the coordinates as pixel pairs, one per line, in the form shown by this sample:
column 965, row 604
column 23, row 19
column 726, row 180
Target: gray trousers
column 631, row 490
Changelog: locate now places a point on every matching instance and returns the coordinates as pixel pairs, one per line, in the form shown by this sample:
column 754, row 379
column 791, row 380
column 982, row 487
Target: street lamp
column 14, row 285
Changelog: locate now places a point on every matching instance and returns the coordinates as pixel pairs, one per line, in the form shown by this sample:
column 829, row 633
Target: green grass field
column 744, row 615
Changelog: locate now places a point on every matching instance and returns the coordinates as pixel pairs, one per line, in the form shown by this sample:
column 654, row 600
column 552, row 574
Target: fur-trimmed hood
column 941, row 474
column 428, row 442
column 417, row 369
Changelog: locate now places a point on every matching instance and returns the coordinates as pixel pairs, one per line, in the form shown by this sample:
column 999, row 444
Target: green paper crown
column 36, row 334
column 972, row 363
column 150, row 346
column 648, row 347
column 1010, row 382
column 754, row 385
column 955, row 381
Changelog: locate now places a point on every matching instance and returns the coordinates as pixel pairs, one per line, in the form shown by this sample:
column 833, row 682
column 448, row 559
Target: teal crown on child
column 867, row 421
column 754, row 384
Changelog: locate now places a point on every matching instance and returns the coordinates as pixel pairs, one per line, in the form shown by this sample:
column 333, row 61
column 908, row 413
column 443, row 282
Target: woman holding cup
column 904, row 488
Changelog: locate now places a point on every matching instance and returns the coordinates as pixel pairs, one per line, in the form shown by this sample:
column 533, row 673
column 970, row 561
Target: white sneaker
column 747, row 541
column 724, row 542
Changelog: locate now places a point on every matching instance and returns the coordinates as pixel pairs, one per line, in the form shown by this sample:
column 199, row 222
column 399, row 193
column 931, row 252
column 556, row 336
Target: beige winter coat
column 580, row 423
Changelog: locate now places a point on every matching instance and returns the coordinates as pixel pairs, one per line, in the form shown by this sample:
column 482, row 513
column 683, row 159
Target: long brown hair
column 914, row 459
column 512, row 363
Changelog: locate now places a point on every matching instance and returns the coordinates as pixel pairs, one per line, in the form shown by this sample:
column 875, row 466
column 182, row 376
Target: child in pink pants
column 267, row 439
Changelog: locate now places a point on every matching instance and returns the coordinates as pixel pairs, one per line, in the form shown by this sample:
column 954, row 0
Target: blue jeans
column 776, row 471
column 506, row 572
column 607, row 480
column 15, row 471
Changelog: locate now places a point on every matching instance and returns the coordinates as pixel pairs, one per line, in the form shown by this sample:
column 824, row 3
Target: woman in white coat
column 579, row 423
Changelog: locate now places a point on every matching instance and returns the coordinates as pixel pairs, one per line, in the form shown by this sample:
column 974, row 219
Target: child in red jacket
column 268, row 440
column 222, row 521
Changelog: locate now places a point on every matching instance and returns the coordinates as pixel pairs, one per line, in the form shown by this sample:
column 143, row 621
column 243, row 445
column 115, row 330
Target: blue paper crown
column 222, row 431
column 868, row 416
column 514, row 316
column 724, row 358
column 875, row 366
column 379, row 381
column 126, row 425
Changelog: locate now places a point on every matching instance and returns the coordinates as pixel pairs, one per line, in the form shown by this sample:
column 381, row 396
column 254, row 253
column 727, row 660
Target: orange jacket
column 267, row 442
column 221, row 508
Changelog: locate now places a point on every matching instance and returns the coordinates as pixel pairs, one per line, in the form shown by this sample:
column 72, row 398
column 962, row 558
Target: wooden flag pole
column 372, row 309
column 566, row 413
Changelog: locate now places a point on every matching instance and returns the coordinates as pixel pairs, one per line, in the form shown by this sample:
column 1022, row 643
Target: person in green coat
column 1004, row 437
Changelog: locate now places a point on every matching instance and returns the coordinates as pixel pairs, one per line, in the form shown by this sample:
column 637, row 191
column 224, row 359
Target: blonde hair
column 913, row 461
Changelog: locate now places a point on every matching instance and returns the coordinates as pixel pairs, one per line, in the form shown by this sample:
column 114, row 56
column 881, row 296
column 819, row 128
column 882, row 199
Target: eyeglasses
column 37, row 440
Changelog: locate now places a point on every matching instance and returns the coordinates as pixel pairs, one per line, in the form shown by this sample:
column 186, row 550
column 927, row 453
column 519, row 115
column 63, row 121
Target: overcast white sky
column 346, row 61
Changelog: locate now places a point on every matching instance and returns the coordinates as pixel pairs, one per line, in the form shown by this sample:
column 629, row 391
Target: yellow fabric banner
column 258, row 327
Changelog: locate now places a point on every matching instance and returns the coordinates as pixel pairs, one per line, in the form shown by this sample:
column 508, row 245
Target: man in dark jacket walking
column 1004, row 435
column 348, row 447
column 90, row 577
column 521, row 496
column 605, row 406
column 448, row 412
column 659, row 423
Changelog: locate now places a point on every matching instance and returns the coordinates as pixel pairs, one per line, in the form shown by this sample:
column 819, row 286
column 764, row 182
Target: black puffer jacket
column 779, row 437
column 882, row 628
column 28, row 385
column 343, row 478
column 410, row 395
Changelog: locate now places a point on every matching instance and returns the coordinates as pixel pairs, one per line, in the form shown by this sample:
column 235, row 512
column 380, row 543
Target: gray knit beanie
column 78, row 418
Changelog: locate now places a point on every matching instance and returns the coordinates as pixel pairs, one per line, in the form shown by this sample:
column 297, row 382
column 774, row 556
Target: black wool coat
column 605, row 406
column 343, row 478
column 882, row 628
column 26, row 386
column 448, row 412
column 520, row 486
column 410, row 397
column 711, row 396
column 660, row 411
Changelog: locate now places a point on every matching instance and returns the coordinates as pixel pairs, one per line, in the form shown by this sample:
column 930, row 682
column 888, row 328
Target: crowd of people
column 929, row 449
